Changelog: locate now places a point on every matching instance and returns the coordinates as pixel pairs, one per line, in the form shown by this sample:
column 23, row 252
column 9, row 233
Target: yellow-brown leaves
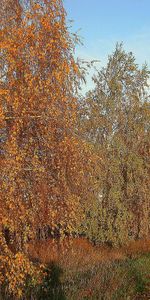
column 2, row 117
column 44, row 168
column 14, row 269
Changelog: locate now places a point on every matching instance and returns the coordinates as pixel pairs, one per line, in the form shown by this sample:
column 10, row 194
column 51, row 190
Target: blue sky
column 102, row 23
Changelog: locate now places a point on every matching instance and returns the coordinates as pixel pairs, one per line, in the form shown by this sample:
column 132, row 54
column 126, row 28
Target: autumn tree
column 115, row 118
column 45, row 174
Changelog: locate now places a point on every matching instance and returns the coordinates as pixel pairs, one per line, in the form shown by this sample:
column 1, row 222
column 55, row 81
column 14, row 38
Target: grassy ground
column 82, row 272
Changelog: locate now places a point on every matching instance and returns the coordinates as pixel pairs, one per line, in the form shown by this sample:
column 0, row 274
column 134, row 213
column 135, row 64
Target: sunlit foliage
column 116, row 119
column 45, row 170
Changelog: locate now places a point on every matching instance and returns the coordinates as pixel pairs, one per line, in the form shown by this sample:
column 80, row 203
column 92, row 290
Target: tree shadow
column 51, row 288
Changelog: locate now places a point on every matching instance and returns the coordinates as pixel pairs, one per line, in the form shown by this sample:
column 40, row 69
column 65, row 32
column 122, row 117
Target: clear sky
column 102, row 23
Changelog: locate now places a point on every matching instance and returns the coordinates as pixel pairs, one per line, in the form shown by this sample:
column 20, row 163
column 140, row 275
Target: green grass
column 119, row 280
column 127, row 279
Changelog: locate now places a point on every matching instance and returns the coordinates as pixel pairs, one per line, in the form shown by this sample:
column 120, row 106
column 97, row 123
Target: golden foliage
column 44, row 165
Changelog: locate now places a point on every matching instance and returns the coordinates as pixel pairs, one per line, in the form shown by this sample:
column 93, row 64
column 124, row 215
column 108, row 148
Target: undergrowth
column 90, row 276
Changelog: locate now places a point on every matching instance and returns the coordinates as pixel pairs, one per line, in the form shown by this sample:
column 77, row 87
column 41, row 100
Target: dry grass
column 91, row 272
column 77, row 252
column 134, row 248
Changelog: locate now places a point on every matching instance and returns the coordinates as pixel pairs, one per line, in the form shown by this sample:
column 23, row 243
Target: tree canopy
column 68, row 165
column 45, row 171
column 116, row 119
